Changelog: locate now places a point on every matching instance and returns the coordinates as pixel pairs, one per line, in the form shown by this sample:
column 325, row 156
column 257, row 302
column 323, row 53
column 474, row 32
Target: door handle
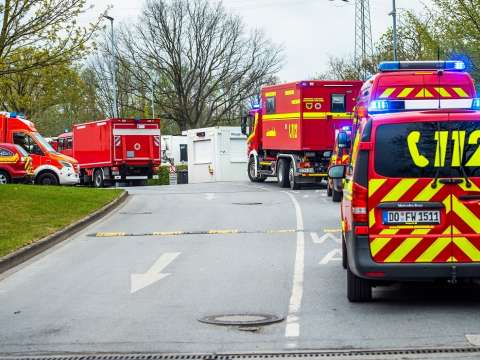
column 451, row 181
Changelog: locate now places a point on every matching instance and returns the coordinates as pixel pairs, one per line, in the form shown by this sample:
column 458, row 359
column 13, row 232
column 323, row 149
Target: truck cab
column 49, row 166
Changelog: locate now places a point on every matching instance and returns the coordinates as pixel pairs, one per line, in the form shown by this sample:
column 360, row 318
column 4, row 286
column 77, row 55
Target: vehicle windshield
column 46, row 145
column 428, row 149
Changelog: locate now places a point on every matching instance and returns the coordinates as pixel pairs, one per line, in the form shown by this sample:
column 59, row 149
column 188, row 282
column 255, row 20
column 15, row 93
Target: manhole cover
column 247, row 203
column 241, row 319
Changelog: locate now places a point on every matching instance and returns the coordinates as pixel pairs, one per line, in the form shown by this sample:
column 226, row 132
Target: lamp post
column 394, row 16
column 114, row 78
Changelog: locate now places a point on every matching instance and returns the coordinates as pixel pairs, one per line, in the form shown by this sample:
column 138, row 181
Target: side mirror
column 337, row 172
column 244, row 125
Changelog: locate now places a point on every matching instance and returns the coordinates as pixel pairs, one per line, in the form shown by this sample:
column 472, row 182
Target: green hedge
column 164, row 176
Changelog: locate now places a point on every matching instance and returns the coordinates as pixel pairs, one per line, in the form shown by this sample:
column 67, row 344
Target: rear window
column 427, row 149
column 338, row 103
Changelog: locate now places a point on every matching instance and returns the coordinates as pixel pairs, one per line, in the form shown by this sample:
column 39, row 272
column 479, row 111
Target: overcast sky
column 309, row 30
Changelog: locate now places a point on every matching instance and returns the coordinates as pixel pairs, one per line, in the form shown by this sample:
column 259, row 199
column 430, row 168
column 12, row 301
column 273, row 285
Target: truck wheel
column 358, row 289
column 251, row 172
column 336, row 195
column 98, row 181
column 4, row 178
column 294, row 185
column 47, row 179
column 344, row 253
column 329, row 189
column 283, row 173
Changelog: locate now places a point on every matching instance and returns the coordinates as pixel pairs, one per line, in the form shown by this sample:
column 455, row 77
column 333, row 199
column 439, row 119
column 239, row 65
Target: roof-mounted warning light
column 422, row 65
column 476, row 104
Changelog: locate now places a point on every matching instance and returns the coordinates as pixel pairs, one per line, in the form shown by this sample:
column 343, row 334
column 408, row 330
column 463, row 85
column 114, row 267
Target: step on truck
column 49, row 166
column 291, row 135
column 115, row 150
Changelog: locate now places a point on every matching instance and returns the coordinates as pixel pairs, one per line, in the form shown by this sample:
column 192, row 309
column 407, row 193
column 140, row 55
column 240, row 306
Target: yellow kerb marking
column 399, row 190
column 222, row 232
column 405, row 92
column 387, row 93
column 168, row 233
column 443, row 92
column 460, row 92
column 110, row 234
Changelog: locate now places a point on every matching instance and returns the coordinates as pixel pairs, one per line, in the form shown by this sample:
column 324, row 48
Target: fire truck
column 291, row 135
column 50, row 167
column 114, row 150
column 401, row 86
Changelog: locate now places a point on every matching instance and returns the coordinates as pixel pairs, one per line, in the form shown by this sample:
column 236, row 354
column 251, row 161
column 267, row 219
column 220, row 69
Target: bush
column 164, row 175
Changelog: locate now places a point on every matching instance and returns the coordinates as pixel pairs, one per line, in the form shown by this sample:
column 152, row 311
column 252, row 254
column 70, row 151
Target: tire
column 358, row 289
column 47, row 178
column 336, row 195
column 294, row 185
column 98, row 180
column 251, row 172
column 282, row 173
column 344, row 253
column 329, row 190
column 4, row 178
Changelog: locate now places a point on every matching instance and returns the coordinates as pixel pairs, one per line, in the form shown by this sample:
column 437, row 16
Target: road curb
column 21, row 255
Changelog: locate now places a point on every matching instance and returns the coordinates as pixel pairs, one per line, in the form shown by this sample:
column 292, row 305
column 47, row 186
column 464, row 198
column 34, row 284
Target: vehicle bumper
column 310, row 178
column 68, row 177
column 361, row 263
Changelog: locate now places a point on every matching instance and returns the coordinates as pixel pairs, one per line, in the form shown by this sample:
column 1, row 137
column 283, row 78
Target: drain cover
column 241, row 319
column 247, row 203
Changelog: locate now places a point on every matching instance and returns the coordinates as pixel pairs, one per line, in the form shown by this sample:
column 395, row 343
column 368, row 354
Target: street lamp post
column 114, row 77
column 394, row 16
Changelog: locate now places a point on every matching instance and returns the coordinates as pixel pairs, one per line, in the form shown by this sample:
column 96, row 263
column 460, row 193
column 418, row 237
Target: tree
column 47, row 26
column 202, row 64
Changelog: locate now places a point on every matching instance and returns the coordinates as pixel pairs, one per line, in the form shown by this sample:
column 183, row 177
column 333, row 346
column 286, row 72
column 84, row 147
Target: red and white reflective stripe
column 156, row 140
column 438, row 104
column 155, row 132
column 118, row 140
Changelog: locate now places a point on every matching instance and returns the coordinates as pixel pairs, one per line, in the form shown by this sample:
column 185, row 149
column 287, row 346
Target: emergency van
column 411, row 205
column 50, row 167
column 408, row 86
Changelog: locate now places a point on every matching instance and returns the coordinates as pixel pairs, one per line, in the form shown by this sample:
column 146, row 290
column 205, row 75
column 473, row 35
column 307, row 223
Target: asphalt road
column 135, row 282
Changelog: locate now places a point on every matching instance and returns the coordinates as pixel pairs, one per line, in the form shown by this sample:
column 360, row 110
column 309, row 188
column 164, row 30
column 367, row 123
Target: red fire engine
column 292, row 134
column 114, row 150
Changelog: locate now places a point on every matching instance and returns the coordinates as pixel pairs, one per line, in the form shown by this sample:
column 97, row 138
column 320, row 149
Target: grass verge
column 29, row 213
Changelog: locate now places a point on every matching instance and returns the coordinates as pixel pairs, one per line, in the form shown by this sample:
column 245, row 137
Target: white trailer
column 217, row 154
column 174, row 149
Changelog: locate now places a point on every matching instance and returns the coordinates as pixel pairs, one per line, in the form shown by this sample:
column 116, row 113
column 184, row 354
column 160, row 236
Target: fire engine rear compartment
column 124, row 150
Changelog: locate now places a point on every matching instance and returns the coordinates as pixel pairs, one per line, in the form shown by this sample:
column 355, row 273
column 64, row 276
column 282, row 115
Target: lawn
column 29, row 212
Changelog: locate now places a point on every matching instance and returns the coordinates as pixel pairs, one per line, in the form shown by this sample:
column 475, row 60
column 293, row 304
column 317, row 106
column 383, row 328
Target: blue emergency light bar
column 422, row 65
column 476, row 104
column 384, row 106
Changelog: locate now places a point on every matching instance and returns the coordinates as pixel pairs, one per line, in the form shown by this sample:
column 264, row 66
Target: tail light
column 359, row 203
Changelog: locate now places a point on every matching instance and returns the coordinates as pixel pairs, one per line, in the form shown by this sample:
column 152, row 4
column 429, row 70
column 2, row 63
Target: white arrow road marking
column 293, row 324
column 320, row 240
column 334, row 255
column 210, row 196
column 154, row 274
column 473, row 339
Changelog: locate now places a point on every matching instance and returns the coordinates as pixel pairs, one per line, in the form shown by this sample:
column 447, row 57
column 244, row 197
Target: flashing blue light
column 389, row 66
column 378, row 106
column 454, row 65
column 347, row 128
column 476, row 104
column 256, row 106
column 13, row 115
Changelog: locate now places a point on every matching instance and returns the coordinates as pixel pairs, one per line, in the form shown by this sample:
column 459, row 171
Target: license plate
column 411, row 217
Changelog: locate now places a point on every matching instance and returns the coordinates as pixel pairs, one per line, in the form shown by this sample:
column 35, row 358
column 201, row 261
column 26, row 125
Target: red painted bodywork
column 20, row 166
column 96, row 144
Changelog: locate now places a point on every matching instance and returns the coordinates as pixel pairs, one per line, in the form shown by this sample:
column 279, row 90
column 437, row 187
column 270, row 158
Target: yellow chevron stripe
column 406, row 246
column 374, row 185
column 399, row 190
column 433, row 250
column 387, row 93
column 379, row 243
column 443, row 92
column 424, row 93
column 405, row 92
column 466, row 215
column 460, row 92
column 473, row 187
column 428, row 193
column 371, row 218
column 467, row 247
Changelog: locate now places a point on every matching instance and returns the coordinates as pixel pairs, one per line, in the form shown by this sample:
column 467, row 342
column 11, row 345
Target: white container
column 174, row 148
column 217, row 154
